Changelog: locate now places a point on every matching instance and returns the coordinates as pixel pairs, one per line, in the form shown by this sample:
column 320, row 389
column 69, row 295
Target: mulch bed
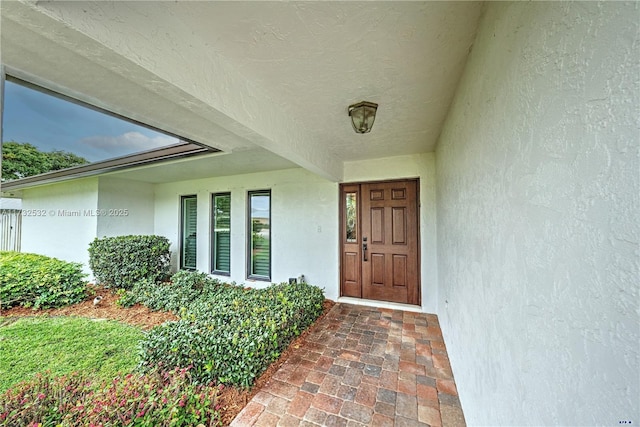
column 231, row 399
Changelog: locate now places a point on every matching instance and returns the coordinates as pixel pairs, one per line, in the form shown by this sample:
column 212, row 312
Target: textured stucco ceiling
column 241, row 75
column 318, row 57
column 219, row 164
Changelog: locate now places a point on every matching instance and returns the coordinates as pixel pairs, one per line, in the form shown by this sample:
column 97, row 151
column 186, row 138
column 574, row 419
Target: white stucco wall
column 414, row 166
column 303, row 225
column 304, row 211
column 56, row 221
column 304, row 218
column 538, row 217
column 126, row 207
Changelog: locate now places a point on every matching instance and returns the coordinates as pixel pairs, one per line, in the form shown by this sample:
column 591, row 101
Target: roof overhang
column 173, row 152
column 241, row 76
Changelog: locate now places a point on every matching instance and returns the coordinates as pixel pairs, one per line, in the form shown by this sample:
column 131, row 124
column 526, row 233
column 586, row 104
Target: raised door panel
column 351, row 274
column 377, row 222
column 399, row 225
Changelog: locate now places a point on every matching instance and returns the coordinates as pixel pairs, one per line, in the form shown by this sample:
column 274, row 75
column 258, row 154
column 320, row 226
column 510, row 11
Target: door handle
column 364, row 248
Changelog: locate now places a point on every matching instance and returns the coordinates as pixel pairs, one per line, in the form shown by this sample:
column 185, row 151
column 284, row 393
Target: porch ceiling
column 213, row 165
column 247, row 76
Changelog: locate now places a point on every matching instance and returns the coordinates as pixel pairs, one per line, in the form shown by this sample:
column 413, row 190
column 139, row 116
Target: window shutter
column 259, row 229
column 261, row 257
column 223, row 251
column 189, row 229
column 221, row 233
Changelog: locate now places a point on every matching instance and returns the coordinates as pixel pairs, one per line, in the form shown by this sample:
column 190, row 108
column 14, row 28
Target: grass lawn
column 63, row 345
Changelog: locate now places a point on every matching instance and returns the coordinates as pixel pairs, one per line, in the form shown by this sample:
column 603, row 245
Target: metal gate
column 10, row 229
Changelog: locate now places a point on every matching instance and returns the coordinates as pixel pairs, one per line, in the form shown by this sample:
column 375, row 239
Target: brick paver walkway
column 362, row 366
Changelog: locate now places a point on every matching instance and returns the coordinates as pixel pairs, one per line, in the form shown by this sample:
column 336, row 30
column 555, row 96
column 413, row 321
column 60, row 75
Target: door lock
column 364, row 248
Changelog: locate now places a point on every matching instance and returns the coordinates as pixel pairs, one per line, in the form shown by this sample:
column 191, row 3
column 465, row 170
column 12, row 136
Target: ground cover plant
column 226, row 333
column 153, row 399
column 38, row 281
column 62, row 345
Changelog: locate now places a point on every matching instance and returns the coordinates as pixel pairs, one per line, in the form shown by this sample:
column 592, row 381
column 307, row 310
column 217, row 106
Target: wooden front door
column 379, row 241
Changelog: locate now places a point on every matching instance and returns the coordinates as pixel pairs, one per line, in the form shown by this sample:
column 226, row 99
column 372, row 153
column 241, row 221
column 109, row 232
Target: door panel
column 387, row 218
column 398, row 194
column 399, row 226
column 400, row 270
column 351, row 260
column 377, row 225
column 377, row 269
column 351, row 267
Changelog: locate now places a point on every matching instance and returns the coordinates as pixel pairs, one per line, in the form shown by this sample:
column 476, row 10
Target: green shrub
column 38, row 281
column 126, row 298
column 124, row 260
column 226, row 333
column 185, row 287
column 153, row 399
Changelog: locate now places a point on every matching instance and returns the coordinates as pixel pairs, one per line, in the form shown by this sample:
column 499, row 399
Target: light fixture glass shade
column 363, row 114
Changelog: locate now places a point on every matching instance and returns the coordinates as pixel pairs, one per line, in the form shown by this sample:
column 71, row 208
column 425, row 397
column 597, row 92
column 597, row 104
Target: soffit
column 208, row 166
column 316, row 58
column 242, row 76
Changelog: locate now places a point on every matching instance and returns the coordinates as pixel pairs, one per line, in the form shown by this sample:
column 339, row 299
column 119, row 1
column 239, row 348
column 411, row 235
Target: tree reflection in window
column 221, row 246
column 351, row 218
column 259, row 255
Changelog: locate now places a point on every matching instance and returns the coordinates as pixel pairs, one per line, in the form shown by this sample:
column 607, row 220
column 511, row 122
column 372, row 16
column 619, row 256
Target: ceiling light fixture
column 363, row 114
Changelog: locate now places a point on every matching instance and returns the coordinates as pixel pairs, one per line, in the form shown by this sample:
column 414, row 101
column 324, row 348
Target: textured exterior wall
column 304, row 218
column 58, row 220
column 304, row 228
column 128, row 207
column 538, row 217
column 304, row 210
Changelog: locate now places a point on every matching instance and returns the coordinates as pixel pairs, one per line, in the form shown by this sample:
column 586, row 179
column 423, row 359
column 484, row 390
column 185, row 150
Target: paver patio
column 362, row 366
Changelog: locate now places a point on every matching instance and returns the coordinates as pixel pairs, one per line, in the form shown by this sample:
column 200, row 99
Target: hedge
column 32, row 280
column 226, row 334
column 124, row 260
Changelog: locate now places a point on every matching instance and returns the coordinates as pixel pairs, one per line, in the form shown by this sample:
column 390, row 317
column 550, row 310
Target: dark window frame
column 213, row 241
column 182, row 237
column 249, row 253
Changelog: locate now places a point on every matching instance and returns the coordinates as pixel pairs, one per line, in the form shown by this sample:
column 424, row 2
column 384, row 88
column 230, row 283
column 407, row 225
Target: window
column 351, row 212
column 259, row 231
column 49, row 136
column 188, row 242
column 221, row 236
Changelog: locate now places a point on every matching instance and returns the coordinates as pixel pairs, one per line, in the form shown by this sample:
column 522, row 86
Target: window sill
column 259, row 278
